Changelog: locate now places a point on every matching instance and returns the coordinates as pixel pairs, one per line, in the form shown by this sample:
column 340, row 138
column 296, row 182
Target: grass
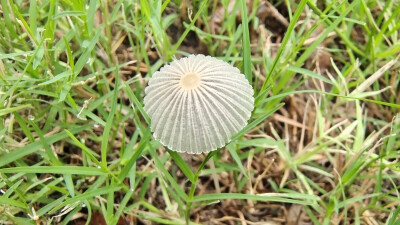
column 322, row 145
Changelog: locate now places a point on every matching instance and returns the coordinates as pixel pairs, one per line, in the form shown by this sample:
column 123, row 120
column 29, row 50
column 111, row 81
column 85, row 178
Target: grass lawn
column 322, row 145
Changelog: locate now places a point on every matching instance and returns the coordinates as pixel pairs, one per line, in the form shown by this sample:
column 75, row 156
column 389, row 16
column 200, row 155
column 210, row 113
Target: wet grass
column 322, row 145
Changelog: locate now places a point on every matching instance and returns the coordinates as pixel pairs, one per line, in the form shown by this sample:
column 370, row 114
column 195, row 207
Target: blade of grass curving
column 85, row 149
column 22, row 123
column 236, row 158
column 110, row 122
column 167, row 175
column 69, row 184
column 309, row 73
column 182, row 165
column 132, row 97
column 45, row 144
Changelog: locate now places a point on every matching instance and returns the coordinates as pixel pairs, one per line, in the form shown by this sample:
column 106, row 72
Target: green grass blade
column 109, row 123
column 246, row 42
column 183, row 36
column 6, row 111
column 84, row 196
column 295, row 198
column 77, row 170
column 236, row 158
column 182, row 165
column 290, row 29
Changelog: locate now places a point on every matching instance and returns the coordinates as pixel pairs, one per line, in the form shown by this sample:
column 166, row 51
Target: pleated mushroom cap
column 196, row 104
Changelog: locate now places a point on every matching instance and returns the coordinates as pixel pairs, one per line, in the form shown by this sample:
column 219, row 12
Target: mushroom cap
column 197, row 103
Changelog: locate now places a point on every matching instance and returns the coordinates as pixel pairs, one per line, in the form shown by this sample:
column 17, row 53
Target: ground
column 321, row 146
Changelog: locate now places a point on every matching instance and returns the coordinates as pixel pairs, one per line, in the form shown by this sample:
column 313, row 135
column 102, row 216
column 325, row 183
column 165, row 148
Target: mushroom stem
column 193, row 186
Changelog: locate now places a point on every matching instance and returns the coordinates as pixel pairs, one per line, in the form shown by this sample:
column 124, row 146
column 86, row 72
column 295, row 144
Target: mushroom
column 197, row 103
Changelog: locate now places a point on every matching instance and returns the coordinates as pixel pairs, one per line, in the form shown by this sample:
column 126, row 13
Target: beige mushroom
column 196, row 104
